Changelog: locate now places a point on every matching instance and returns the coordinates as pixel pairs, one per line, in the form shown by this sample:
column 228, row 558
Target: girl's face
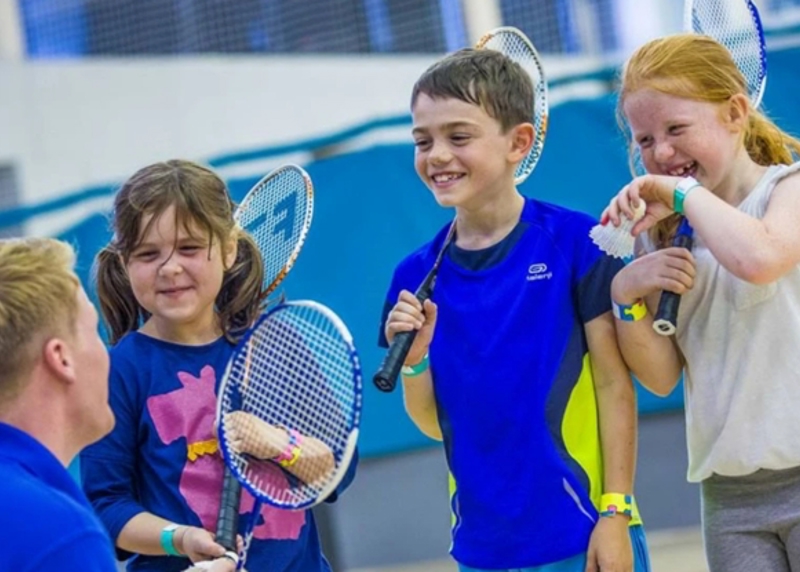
column 176, row 277
column 683, row 137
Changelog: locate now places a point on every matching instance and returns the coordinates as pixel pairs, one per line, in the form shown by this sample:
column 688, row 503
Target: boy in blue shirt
column 515, row 365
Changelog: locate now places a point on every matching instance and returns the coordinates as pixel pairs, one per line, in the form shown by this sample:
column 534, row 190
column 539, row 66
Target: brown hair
column 697, row 67
column 200, row 197
column 38, row 289
column 486, row 78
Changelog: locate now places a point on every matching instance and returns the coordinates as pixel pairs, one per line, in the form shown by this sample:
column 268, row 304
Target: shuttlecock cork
column 617, row 241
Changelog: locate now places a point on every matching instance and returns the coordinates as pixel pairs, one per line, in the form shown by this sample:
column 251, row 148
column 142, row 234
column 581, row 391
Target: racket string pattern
column 296, row 373
column 735, row 24
column 517, row 47
column 277, row 213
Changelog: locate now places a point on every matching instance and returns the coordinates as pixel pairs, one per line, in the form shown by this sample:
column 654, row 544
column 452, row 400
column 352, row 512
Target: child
column 515, row 366
column 178, row 284
column 730, row 171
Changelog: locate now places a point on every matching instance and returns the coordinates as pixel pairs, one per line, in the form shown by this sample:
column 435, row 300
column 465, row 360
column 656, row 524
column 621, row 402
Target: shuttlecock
column 617, row 241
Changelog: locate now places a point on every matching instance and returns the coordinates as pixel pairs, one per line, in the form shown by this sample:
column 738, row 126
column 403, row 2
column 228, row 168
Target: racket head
column 297, row 369
column 511, row 42
column 736, row 24
column 277, row 213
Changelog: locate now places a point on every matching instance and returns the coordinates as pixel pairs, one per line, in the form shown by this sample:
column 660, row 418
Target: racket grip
column 228, row 519
column 666, row 319
column 386, row 377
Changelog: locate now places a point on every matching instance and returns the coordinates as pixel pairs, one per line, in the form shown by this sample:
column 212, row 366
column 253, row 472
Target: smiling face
column 461, row 153
column 682, row 137
column 176, row 273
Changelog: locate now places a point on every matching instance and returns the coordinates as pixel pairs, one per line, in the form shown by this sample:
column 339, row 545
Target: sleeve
column 108, row 467
column 593, row 271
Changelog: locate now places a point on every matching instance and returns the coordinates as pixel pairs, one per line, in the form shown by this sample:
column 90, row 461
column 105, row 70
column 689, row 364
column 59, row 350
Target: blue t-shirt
column 513, row 386
column 163, row 456
column 47, row 525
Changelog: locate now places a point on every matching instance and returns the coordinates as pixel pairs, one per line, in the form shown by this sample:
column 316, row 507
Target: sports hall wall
column 79, row 138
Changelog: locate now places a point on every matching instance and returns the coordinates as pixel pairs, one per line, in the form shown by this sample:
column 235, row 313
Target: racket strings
column 297, row 376
column 284, row 201
column 736, row 26
column 518, row 48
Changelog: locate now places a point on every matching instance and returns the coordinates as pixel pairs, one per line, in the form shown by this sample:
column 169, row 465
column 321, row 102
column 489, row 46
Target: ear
column 521, row 140
column 231, row 249
column 58, row 359
column 737, row 112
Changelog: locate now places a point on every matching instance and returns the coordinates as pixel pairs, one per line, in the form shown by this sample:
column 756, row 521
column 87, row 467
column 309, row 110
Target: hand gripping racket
column 666, row 318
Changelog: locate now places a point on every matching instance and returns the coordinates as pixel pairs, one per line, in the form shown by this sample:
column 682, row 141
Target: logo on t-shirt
column 539, row 272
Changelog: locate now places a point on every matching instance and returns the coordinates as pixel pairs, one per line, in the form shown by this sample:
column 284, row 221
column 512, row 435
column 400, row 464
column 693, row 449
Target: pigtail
column 767, row 144
column 118, row 306
column 240, row 300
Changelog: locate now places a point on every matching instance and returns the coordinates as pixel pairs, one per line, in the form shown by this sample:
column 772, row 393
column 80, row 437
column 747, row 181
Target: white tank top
column 741, row 342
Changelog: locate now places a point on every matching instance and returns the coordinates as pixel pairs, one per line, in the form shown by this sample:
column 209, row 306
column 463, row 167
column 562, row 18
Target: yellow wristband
column 632, row 313
column 616, row 503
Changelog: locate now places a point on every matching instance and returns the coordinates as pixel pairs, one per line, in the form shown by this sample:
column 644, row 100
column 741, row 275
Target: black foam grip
column 666, row 318
column 228, row 519
column 386, row 377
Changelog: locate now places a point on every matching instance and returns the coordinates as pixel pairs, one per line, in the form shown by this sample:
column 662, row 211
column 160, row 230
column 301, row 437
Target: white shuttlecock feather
column 617, row 241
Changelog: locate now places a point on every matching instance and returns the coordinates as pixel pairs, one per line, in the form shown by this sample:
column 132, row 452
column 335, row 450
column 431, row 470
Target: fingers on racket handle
column 666, row 319
column 228, row 520
column 386, row 377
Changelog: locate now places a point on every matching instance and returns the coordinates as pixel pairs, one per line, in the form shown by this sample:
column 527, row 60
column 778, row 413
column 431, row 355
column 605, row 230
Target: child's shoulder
column 555, row 218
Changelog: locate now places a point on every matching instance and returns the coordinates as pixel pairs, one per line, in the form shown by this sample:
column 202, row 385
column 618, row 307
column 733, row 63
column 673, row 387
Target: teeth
column 681, row 171
column 445, row 178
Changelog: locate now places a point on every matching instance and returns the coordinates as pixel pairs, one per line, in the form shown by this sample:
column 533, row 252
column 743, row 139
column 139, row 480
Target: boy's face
column 462, row 154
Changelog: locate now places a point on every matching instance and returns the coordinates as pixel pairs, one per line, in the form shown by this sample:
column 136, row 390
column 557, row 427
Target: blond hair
column 38, row 288
column 696, row 67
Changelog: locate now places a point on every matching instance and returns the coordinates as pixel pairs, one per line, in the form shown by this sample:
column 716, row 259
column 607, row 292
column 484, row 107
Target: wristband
column 291, row 453
column 632, row 313
column 168, row 539
column 682, row 189
column 615, row 503
column 414, row 370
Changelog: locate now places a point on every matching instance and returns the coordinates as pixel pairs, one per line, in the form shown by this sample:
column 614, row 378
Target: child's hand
column 610, row 547
column 198, row 544
column 408, row 315
column 247, row 434
column 672, row 269
column 657, row 192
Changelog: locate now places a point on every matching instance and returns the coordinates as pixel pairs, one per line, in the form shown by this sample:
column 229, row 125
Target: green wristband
column 683, row 188
column 168, row 540
column 413, row 370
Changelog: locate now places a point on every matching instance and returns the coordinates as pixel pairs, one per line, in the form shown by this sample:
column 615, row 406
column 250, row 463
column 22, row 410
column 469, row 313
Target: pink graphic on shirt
column 189, row 412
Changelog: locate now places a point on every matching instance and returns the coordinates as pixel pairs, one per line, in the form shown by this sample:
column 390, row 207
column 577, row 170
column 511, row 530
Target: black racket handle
column 228, row 519
column 666, row 319
column 386, row 377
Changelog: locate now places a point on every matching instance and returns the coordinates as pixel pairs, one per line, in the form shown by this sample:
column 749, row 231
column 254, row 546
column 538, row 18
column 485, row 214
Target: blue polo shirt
column 514, row 388
column 46, row 523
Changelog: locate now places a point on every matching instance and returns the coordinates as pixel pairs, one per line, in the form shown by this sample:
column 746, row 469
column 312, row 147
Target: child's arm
column 653, row 359
column 759, row 251
column 142, row 535
column 254, row 436
column 418, row 395
column 610, row 547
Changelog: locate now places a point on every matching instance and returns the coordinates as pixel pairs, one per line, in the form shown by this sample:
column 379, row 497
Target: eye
column 676, row 129
column 460, row 138
column 145, row 254
column 422, row 143
column 644, row 142
column 190, row 248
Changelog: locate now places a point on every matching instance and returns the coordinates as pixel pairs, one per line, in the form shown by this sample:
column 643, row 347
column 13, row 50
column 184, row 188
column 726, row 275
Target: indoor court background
column 91, row 90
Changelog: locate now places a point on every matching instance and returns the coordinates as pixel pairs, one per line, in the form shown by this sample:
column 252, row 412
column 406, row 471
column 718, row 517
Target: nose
column 439, row 154
column 663, row 152
column 171, row 266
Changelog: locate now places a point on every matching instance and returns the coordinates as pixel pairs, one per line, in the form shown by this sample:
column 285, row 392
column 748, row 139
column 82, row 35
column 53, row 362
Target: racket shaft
column 228, row 520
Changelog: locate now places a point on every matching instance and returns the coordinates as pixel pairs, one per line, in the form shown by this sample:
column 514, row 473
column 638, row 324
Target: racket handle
column 666, row 319
column 228, row 519
column 386, row 377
